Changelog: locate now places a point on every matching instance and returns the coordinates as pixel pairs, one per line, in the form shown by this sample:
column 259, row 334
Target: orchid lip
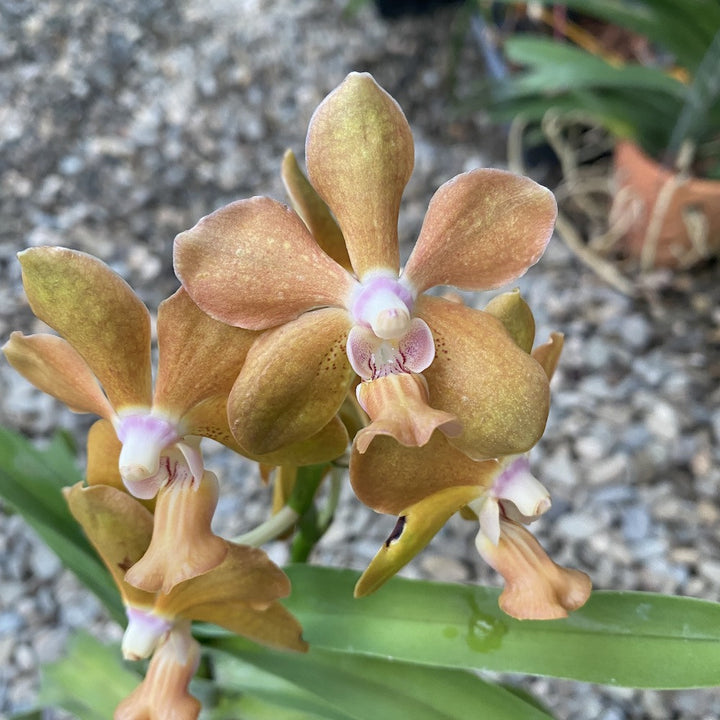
column 384, row 304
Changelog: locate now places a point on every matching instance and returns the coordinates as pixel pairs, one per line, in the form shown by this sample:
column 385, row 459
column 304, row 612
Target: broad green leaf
column 618, row 638
column 89, row 682
column 232, row 673
column 554, row 67
column 365, row 687
column 31, row 481
column 684, row 31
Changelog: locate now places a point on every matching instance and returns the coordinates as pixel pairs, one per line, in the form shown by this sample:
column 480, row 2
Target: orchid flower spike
column 425, row 363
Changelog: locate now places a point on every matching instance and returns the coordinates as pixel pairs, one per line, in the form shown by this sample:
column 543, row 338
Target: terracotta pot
column 667, row 219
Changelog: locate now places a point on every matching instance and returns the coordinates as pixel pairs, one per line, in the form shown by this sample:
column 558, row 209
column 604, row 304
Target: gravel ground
column 122, row 123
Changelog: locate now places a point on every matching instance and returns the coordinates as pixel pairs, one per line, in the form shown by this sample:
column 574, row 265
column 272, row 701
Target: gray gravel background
column 122, row 123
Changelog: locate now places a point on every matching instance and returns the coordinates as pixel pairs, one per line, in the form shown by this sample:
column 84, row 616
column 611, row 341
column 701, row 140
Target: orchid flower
column 425, row 363
column 426, row 486
column 240, row 594
column 102, row 364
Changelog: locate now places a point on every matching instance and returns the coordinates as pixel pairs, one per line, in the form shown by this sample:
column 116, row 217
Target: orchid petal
column 328, row 443
column 119, row 528
column 398, row 406
column 415, row 528
column 515, row 314
column 536, row 588
column 498, row 392
column 253, row 264
column 294, row 381
column 274, row 626
column 103, row 451
column 389, row 477
column 199, row 357
column 313, row 211
column 163, row 693
column 183, row 545
column 246, row 575
column 55, row 367
column 209, row 419
column 482, row 230
column 359, row 154
column 95, row 310
column 548, row 354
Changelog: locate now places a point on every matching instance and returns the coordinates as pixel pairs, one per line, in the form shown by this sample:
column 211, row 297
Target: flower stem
column 272, row 528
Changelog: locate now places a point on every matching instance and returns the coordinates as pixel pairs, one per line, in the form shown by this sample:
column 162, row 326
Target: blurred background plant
column 645, row 73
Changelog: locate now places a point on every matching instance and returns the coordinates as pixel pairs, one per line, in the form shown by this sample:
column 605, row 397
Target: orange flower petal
column 398, row 406
column 246, row 575
column 199, row 357
column 103, row 448
column 294, row 381
column 548, row 354
column 209, row 419
column 183, row 545
column 163, row 694
column 498, row 392
column 389, row 477
column 274, row 626
column 535, row 587
column 254, row 264
column 119, row 528
column 55, row 367
column 96, row 311
column 515, row 314
column 328, row 443
column 313, row 211
column 359, row 156
column 415, row 528
column 482, row 229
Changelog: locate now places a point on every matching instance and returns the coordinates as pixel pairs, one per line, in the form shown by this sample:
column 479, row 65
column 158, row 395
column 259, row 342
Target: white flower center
column 383, row 304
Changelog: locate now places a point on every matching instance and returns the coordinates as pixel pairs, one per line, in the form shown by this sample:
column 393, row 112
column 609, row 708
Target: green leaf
column 618, row 638
column 31, row 481
column 232, row 673
column 364, row 687
column 556, row 66
column 684, row 33
column 89, row 682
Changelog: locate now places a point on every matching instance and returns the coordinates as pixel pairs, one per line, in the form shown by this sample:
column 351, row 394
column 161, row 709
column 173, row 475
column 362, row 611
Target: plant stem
column 270, row 529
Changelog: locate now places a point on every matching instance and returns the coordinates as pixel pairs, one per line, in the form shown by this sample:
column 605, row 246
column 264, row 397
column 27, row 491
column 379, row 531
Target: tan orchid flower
column 426, row 486
column 163, row 694
column 101, row 364
column 255, row 264
column 240, row 594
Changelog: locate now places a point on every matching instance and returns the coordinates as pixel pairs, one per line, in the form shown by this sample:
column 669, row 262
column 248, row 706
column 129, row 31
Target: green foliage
column 618, row 638
column 31, row 481
column 642, row 103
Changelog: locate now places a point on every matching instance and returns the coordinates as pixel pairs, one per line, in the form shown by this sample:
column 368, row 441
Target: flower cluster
column 296, row 333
